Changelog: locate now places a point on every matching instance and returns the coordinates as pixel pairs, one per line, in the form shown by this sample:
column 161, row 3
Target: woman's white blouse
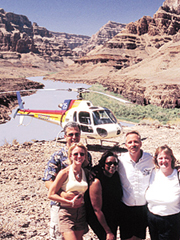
column 163, row 193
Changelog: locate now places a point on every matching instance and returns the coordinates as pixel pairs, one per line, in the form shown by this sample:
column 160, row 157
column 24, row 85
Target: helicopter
column 95, row 122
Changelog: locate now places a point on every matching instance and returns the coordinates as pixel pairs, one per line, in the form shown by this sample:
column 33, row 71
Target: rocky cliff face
column 105, row 33
column 140, row 39
column 172, row 6
column 164, row 21
column 141, row 62
column 18, row 34
column 71, row 40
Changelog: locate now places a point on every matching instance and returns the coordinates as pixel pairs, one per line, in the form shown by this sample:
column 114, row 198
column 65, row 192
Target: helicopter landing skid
column 115, row 143
column 97, row 147
column 103, row 140
column 103, row 148
column 112, row 146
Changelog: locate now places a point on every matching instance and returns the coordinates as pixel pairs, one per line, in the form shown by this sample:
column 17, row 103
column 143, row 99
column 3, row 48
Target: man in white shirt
column 135, row 168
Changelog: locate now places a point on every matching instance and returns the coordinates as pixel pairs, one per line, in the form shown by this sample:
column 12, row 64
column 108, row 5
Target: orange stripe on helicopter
column 74, row 103
column 56, row 112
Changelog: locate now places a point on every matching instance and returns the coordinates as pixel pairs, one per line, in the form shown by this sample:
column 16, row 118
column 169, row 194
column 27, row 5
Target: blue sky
column 84, row 17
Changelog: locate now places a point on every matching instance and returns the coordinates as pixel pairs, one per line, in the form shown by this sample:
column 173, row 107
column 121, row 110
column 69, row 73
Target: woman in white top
column 163, row 197
column 72, row 215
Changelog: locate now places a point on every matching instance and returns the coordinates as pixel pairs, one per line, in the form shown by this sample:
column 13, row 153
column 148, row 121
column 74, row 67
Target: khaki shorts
column 72, row 219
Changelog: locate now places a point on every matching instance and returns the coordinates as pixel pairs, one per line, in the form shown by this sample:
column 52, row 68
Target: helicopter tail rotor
column 21, row 104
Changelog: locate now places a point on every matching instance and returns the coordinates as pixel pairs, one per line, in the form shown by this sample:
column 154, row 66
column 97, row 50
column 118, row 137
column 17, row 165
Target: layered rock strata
column 105, row 33
column 18, row 34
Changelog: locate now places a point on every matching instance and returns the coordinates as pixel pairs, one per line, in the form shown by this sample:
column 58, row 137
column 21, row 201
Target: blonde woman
column 72, row 216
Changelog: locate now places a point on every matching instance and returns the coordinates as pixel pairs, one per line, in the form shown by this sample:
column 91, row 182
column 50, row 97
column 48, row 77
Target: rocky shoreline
column 24, row 205
column 8, row 101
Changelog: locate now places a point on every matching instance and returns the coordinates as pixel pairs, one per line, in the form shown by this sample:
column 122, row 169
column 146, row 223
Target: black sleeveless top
column 111, row 194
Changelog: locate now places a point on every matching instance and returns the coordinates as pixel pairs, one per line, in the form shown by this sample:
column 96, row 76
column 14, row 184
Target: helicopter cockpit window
column 103, row 117
column 84, row 118
column 111, row 115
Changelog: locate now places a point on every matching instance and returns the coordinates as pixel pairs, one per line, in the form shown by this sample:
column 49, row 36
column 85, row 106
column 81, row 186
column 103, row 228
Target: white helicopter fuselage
column 95, row 122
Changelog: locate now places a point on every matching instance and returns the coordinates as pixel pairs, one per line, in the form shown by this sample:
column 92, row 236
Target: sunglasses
column 111, row 163
column 73, row 134
column 81, row 154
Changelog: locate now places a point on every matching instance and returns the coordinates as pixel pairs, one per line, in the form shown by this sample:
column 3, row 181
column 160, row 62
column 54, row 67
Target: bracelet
column 72, row 203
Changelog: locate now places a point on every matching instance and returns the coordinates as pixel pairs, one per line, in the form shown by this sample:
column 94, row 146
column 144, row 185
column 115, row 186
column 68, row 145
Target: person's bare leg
column 79, row 234
column 69, row 235
column 73, row 235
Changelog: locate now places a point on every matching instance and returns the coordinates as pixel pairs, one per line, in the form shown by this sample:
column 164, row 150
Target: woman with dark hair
column 103, row 199
column 163, row 197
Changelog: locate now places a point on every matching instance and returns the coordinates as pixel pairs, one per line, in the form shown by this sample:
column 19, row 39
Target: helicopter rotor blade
column 48, row 89
column 79, row 90
column 55, row 89
column 29, row 90
column 34, row 90
column 110, row 96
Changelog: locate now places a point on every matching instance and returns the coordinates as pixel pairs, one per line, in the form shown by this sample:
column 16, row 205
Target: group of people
column 131, row 190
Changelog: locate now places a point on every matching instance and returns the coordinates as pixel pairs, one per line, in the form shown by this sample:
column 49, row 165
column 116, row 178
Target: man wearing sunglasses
column 134, row 168
column 72, row 135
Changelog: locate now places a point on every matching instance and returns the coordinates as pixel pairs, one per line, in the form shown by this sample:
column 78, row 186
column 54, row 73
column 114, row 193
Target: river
column 35, row 129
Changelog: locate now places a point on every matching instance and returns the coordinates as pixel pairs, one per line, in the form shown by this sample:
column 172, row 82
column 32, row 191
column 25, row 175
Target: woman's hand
column 77, row 201
column 110, row 236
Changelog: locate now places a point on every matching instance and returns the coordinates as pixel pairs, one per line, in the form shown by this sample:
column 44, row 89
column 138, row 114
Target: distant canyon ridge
column 139, row 60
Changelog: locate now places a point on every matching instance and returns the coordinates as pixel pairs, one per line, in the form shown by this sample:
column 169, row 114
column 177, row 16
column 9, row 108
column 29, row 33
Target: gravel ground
column 24, row 205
